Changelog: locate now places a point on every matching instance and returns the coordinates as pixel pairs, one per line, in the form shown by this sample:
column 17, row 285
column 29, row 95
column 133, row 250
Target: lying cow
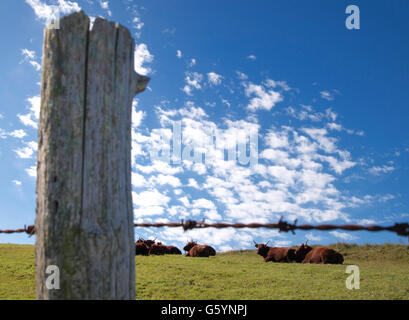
column 158, row 249
column 275, row 254
column 172, row 250
column 198, row 250
column 148, row 243
column 141, row 249
column 322, row 255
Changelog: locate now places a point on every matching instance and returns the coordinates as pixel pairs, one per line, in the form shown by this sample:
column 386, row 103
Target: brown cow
column 275, row 254
column 322, row 255
column 197, row 250
column 158, row 249
column 148, row 243
column 141, row 249
column 172, row 250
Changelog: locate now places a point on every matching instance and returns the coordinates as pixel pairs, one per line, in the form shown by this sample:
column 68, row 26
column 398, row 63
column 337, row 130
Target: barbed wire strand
column 30, row 230
column 401, row 229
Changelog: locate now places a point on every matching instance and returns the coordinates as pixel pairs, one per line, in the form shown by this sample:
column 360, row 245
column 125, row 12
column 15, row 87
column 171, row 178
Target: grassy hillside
column 239, row 275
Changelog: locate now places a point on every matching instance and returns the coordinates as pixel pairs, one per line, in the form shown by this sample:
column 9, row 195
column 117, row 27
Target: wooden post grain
column 84, row 223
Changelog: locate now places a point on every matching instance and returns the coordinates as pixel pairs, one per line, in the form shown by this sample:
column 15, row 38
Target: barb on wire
column 401, row 229
column 30, row 230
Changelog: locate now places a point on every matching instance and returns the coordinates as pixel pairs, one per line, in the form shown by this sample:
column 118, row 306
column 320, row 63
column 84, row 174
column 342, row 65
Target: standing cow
column 275, row 254
column 321, row 255
column 198, row 250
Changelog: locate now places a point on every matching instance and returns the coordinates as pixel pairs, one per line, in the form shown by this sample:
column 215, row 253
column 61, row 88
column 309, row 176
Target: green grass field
column 384, row 271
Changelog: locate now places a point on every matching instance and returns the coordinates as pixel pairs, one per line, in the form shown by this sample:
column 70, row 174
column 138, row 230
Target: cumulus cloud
column 31, row 119
column 105, row 5
column 241, row 75
column 18, row 134
column 179, row 54
column 327, row 95
column 192, row 62
column 28, row 151
column 193, row 81
column 47, row 12
column 378, row 170
column 262, row 98
column 214, row 78
column 142, row 57
column 296, row 176
column 32, row 171
column 30, row 57
column 343, row 235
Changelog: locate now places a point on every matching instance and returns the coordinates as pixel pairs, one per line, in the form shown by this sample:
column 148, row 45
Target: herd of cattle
column 149, row 247
column 303, row 254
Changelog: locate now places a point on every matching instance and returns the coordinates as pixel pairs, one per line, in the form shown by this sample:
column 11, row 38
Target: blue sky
column 330, row 106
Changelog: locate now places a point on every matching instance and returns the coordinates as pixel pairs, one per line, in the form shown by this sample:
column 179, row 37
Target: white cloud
column 137, row 116
column 179, row 54
column 193, row 183
column 18, row 134
column 31, row 119
column 241, row 75
column 376, row 170
column 149, row 203
column 105, row 5
column 203, row 203
column 193, row 81
column 32, row 171
column 214, row 78
column 264, row 99
column 366, row 222
column 311, row 237
column 28, row 151
column 17, row 182
column 343, row 235
column 138, row 180
column 30, row 57
column 137, row 24
column 192, row 62
column 252, row 57
column 142, row 56
column 162, row 179
column 273, row 84
column 46, row 12
column 327, row 95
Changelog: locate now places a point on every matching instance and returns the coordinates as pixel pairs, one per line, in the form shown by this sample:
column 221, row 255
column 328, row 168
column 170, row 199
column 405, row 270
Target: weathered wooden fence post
column 84, row 223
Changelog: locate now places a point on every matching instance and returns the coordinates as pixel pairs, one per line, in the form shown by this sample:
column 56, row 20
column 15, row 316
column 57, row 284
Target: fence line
column 401, row 229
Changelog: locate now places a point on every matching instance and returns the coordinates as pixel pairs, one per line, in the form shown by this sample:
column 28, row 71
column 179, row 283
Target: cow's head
column 302, row 251
column 149, row 243
column 189, row 245
column 262, row 249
